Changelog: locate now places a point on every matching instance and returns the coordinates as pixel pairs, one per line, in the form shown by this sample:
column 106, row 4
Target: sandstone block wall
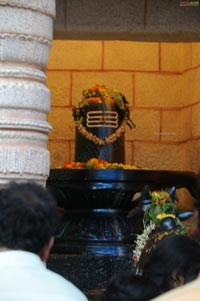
column 161, row 83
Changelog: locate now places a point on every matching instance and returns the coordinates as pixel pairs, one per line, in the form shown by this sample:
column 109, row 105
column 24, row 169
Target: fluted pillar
column 26, row 31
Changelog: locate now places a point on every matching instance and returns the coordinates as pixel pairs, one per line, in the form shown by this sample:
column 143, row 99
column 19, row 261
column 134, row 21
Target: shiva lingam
column 97, row 232
column 100, row 120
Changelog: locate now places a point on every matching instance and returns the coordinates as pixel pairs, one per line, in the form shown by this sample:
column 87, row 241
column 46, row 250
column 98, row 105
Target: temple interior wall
column 161, row 83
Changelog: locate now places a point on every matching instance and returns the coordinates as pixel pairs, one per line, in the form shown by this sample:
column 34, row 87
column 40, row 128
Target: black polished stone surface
column 100, row 232
column 111, row 188
column 89, row 272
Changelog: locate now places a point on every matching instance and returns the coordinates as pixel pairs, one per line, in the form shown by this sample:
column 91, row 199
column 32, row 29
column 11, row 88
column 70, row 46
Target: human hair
column 28, row 216
column 174, row 261
column 127, row 286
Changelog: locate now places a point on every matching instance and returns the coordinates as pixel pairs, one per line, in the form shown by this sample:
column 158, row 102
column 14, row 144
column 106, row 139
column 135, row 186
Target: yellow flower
column 164, row 215
column 155, row 194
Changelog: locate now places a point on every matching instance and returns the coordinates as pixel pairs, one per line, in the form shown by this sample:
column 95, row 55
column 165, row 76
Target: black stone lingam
column 100, row 120
column 85, row 148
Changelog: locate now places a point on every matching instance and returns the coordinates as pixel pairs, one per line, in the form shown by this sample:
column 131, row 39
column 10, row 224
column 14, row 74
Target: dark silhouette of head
column 130, row 287
column 28, row 217
column 175, row 260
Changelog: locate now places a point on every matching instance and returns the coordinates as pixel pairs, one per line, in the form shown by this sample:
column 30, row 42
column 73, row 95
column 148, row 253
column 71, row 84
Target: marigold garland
column 100, row 91
column 88, row 135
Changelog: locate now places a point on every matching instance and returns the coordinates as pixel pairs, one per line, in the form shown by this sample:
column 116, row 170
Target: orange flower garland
column 97, row 163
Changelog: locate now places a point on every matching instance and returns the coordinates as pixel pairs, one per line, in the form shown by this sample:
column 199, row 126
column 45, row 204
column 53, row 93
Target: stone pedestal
column 97, row 232
column 26, row 30
column 93, row 245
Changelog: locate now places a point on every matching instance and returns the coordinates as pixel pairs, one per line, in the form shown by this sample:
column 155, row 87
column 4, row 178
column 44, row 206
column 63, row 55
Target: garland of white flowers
column 88, row 135
column 141, row 240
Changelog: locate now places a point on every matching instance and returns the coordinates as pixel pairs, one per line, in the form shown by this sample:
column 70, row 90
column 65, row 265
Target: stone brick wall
column 138, row 20
column 161, row 83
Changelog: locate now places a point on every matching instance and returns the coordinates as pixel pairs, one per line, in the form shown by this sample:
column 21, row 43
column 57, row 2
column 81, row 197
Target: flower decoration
column 162, row 206
column 98, row 163
column 104, row 94
column 161, row 218
column 141, row 241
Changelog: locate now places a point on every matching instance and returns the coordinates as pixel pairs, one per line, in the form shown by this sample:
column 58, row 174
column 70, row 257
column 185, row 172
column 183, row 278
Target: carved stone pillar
column 26, row 30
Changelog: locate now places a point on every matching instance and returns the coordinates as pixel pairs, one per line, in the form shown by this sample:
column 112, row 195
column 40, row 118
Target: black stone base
column 93, row 245
column 89, row 272
column 98, row 228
